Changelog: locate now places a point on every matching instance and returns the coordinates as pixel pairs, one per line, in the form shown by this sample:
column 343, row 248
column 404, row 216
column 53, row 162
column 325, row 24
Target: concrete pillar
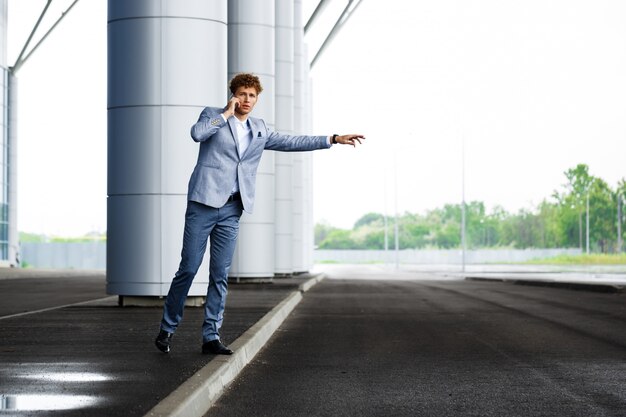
column 284, row 124
column 166, row 62
column 299, row 263
column 251, row 49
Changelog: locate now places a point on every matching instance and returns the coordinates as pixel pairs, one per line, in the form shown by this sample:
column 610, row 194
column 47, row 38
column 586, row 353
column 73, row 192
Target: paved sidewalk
column 96, row 358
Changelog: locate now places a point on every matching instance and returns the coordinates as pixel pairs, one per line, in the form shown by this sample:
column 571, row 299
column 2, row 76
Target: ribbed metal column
column 299, row 128
column 251, row 49
column 284, row 124
column 308, row 233
column 167, row 60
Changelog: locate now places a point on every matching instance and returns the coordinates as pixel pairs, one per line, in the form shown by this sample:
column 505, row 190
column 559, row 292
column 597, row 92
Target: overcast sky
column 532, row 88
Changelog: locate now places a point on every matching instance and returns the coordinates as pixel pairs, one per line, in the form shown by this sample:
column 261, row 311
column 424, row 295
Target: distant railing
column 64, row 255
column 439, row 257
column 92, row 255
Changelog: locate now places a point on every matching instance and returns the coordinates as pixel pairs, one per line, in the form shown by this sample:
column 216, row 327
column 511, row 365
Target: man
column 222, row 185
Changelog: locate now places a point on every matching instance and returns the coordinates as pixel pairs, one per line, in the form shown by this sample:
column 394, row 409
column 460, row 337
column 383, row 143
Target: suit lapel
column 233, row 131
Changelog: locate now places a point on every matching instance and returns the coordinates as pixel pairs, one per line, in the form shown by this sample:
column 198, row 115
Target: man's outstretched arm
column 297, row 143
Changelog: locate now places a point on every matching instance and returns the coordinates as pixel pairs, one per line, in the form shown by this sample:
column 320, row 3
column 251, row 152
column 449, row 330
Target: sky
column 527, row 89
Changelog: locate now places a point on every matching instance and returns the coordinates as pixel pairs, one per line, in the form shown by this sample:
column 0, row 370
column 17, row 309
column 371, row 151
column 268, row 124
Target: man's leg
column 223, row 240
column 199, row 222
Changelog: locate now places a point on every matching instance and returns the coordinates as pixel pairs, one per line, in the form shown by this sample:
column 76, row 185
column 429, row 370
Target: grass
column 332, row 262
column 584, row 259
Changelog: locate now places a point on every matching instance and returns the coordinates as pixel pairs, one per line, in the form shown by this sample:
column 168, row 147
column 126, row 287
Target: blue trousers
column 202, row 222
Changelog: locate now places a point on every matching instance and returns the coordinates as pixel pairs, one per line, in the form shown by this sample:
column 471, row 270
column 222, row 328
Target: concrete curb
column 581, row 286
column 305, row 286
column 196, row 395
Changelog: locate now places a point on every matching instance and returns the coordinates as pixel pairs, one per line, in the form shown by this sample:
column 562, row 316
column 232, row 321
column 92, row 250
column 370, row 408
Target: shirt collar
column 243, row 124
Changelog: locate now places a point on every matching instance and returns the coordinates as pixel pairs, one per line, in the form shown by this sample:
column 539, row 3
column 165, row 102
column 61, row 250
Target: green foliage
column 338, row 239
column 584, row 259
column 82, row 239
column 558, row 222
column 32, row 237
column 367, row 219
column 321, row 231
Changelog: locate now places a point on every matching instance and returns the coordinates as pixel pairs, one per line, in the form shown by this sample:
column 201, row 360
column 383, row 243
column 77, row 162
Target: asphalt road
column 380, row 347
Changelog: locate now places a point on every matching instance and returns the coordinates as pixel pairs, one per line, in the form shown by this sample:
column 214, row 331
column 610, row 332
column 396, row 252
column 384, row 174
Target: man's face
column 247, row 99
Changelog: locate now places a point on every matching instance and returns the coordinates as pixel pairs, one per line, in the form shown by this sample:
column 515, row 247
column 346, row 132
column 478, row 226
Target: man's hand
column 349, row 139
column 230, row 107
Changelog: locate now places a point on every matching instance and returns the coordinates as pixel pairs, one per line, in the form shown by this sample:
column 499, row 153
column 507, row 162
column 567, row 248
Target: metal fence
column 88, row 255
column 439, row 257
column 92, row 255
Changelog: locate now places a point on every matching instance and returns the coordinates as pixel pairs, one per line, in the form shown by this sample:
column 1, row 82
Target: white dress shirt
column 244, row 137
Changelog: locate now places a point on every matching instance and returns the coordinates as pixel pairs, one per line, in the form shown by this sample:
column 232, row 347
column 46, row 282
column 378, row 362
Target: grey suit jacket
column 219, row 164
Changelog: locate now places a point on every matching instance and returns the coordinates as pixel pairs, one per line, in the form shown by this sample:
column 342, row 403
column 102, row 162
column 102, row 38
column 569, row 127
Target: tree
column 558, row 222
column 578, row 183
column 620, row 196
column 551, row 233
column 367, row 219
column 338, row 239
column 602, row 226
column 322, row 230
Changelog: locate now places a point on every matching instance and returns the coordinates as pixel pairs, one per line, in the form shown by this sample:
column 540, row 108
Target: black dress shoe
column 163, row 340
column 216, row 347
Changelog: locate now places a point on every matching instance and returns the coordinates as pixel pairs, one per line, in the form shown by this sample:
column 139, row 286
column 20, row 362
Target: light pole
column 395, row 173
column 463, row 205
column 587, row 220
column 587, row 223
column 619, row 222
column 385, row 214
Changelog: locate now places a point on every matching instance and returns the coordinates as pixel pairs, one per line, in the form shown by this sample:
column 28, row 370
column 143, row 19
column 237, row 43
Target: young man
column 222, row 185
